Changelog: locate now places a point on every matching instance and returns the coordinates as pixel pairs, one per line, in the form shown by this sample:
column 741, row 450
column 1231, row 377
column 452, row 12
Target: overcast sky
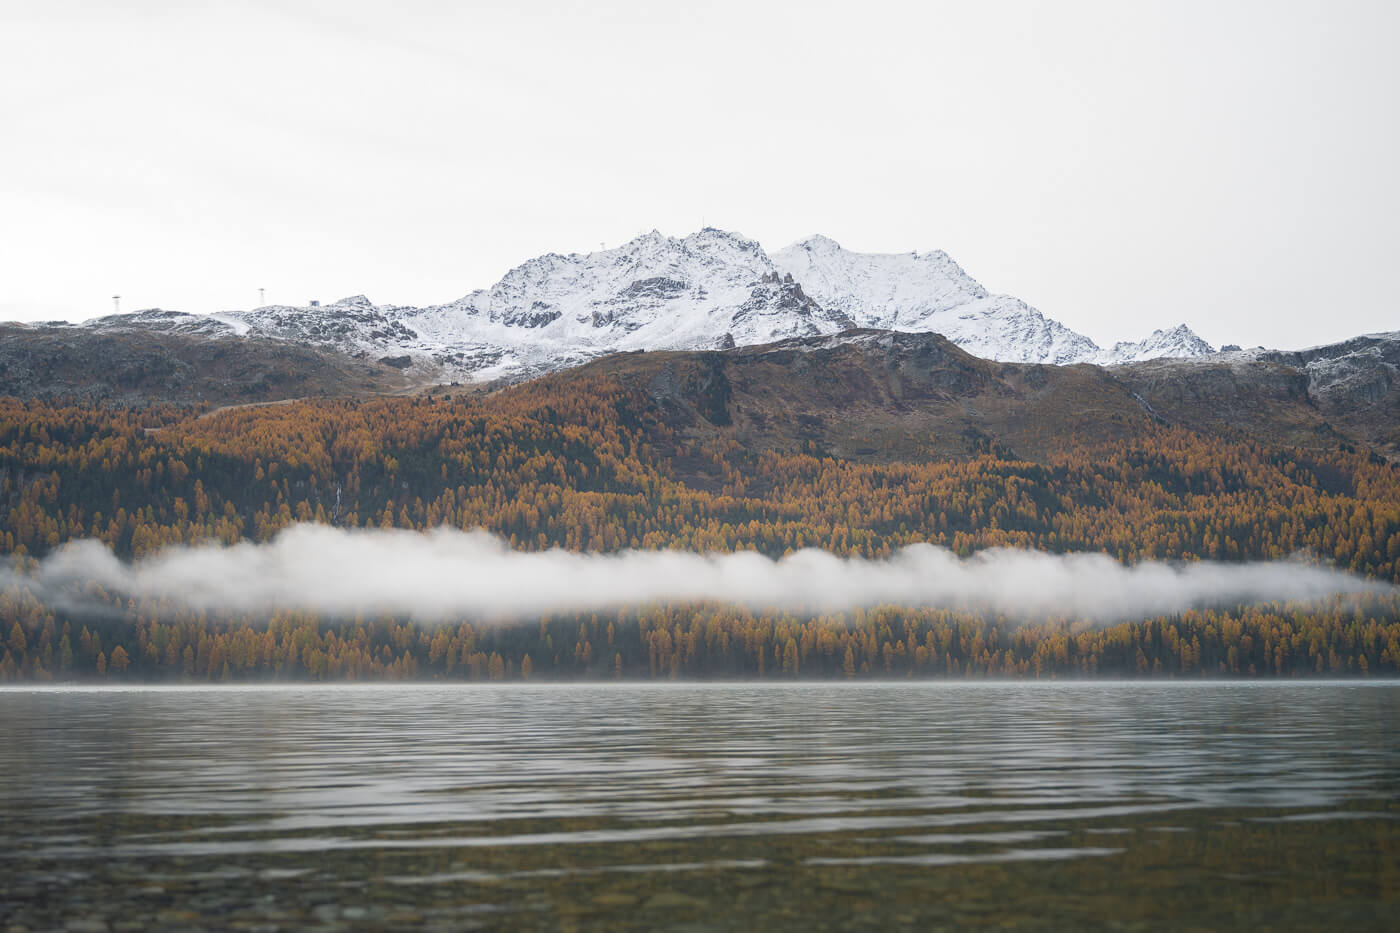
column 1119, row 165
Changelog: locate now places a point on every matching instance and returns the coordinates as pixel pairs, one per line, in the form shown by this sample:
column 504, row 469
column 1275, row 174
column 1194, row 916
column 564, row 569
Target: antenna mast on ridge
column 116, row 304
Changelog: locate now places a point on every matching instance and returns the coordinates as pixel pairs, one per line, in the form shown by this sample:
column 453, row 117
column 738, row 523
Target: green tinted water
column 729, row 807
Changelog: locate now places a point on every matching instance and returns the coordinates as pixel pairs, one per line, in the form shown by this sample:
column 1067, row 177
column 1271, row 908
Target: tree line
column 597, row 468
column 1350, row 637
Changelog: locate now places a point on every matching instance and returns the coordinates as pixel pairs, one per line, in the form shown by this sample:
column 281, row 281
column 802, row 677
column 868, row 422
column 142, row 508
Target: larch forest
column 596, row 468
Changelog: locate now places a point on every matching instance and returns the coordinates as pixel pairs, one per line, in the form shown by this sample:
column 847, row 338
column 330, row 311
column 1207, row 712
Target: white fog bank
column 453, row 573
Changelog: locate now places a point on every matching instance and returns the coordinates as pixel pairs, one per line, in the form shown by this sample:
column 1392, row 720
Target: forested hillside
column 597, row 462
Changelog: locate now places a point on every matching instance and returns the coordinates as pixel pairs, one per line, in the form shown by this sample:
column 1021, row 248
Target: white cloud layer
column 453, row 573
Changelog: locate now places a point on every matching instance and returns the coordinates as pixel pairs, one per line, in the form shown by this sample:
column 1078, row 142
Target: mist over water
column 450, row 572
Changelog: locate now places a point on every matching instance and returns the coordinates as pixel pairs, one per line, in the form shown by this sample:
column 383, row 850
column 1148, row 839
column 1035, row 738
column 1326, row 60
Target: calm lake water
column 726, row 807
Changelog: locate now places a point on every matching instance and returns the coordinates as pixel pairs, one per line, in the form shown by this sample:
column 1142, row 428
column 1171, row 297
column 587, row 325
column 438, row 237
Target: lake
column 702, row 807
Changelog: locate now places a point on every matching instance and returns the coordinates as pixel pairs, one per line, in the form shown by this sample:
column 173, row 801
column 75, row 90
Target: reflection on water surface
column 716, row 807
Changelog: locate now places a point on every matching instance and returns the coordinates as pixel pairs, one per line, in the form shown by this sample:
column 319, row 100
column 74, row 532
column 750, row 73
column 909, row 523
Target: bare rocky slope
column 1341, row 393
column 878, row 396
column 132, row 367
column 863, row 394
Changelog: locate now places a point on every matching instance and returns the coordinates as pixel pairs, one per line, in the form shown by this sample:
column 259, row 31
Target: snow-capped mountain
column 891, row 291
column 707, row 290
column 918, row 292
column 931, row 292
column 1177, row 342
column 710, row 289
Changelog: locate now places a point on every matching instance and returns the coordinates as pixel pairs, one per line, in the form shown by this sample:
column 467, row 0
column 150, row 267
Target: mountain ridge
column 879, row 395
column 710, row 289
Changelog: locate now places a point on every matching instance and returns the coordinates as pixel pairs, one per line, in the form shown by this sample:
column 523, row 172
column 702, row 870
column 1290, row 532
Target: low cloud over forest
column 450, row 573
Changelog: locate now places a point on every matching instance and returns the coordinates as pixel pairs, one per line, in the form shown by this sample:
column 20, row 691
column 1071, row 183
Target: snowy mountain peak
column 928, row 291
column 712, row 288
column 1179, row 341
column 715, row 234
column 817, row 243
column 653, row 292
column 898, row 291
